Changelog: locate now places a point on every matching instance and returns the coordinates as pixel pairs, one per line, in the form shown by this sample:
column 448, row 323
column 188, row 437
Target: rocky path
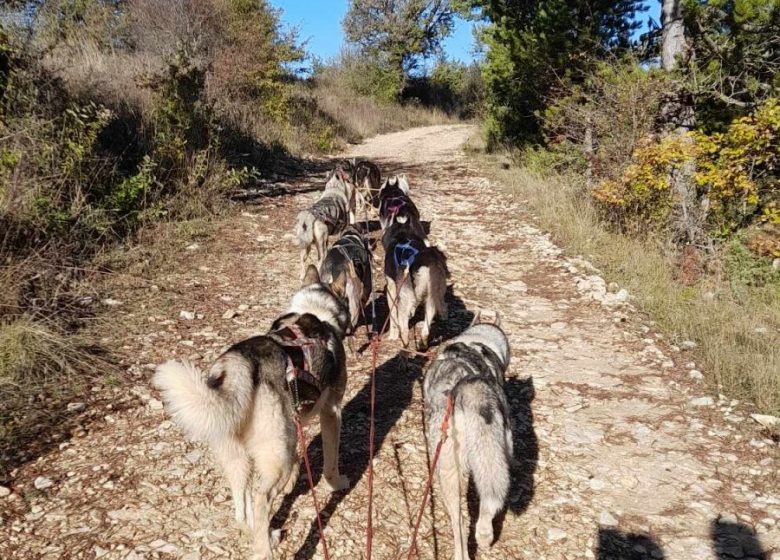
column 621, row 453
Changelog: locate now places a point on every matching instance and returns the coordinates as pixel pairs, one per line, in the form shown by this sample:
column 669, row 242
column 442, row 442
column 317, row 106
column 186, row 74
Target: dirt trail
column 621, row 455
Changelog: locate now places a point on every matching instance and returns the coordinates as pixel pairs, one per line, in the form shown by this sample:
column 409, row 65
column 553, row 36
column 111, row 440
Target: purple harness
column 394, row 206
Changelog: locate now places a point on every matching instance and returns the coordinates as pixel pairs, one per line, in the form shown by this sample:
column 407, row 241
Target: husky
column 396, row 206
column 331, row 213
column 367, row 178
column 415, row 273
column 347, row 271
column 245, row 407
column 470, row 369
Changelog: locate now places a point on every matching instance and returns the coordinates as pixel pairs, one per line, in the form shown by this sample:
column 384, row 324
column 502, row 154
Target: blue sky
column 320, row 23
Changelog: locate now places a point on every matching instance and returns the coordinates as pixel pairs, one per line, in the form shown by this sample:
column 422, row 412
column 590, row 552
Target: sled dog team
column 246, row 405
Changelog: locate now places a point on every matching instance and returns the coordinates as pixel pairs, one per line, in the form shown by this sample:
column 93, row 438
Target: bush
column 735, row 174
column 453, row 87
column 613, row 110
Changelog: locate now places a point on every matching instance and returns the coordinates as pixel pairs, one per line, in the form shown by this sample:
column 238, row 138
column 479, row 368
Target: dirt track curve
column 621, row 453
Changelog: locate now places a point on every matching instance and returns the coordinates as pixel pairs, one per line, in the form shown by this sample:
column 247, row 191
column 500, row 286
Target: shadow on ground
column 395, row 379
column 730, row 540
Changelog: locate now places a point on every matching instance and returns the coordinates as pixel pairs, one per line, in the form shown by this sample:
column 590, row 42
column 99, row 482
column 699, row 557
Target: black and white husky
column 470, row 369
column 396, row 205
column 347, row 271
column 415, row 274
column 331, row 213
column 244, row 408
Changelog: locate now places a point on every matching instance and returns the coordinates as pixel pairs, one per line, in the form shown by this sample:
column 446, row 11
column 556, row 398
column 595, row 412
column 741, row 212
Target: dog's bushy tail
column 304, row 228
column 485, row 439
column 202, row 412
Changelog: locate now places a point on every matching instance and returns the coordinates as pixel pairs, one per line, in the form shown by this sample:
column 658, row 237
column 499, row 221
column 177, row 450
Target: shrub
column 453, row 87
column 735, row 174
column 612, row 110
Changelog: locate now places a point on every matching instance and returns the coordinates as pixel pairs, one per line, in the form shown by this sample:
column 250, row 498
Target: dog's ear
column 477, row 317
column 312, row 276
column 403, row 183
column 339, row 285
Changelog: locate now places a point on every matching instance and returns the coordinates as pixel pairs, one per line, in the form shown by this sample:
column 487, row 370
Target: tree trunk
column 588, row 150
column 689, row 215
column 673, row 42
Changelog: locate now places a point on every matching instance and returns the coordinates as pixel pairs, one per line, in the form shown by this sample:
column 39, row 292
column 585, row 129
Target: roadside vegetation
column 657, row 156
column 119, row 118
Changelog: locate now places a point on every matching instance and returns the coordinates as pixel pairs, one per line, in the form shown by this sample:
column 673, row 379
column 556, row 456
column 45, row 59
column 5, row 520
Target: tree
column 538, row 46
column 399, row 32
column 734, row 64
column 673, row 44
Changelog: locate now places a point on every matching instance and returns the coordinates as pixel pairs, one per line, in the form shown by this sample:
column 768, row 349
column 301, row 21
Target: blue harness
column 405, row 255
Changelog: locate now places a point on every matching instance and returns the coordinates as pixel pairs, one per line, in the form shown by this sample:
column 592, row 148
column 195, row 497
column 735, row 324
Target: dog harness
column 305, row 387
column 404, row 255
column 394, row 205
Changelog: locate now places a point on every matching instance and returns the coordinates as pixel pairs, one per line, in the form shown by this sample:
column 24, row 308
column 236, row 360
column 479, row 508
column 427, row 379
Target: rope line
column 445, row 424
column 302, row 442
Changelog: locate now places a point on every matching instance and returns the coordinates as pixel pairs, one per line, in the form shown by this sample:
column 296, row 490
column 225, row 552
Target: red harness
column 301, row 373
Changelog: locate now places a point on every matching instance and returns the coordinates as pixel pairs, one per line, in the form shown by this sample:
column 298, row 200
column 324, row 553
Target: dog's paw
column 276, row 537
column 484, row 534
column 337, row 483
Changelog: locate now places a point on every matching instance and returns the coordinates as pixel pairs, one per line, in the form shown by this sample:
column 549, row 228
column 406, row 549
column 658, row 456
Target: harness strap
column 294, row 374
column 408, row 254
column 397, row 203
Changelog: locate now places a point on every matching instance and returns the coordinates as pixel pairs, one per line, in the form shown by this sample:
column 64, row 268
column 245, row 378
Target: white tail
column 203, row 413
column 304, row 229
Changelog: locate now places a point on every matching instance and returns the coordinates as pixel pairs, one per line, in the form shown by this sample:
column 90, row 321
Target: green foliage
column 453, row 87
column 398, row 34
column 613, row 108
column 733, row 64
column 534, row 47
column 76, row 22
column 363, row 75
column 735, row 173
column 745, row 270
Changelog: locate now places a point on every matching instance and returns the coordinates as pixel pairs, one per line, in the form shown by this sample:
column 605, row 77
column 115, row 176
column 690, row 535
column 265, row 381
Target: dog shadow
column 395, row 379
column 520, row 393
column 735, row 540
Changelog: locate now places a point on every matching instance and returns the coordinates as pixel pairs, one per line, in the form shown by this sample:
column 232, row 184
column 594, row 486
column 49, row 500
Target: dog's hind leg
column 430, row 314
column 330, row 424
column 304, row 255
column 272, row 477
column 450, row 481
column 233, row 458
column 392, row 308
column 406, row 306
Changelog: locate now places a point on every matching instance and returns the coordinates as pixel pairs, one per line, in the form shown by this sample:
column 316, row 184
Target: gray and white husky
column 470, row 368
column 331, row 213
column 347, row 271
column 244, row 407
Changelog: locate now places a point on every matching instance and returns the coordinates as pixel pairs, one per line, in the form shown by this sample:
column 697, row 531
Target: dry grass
column 363, row 117
column 737, row 334
column 42, row 369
